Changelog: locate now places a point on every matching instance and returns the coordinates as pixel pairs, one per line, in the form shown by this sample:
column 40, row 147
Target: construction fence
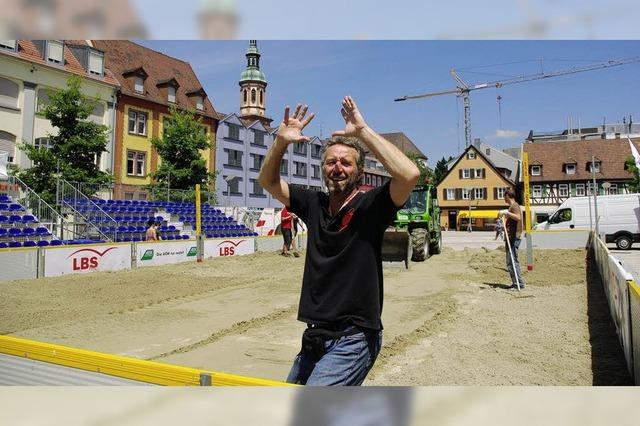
column 623, row 296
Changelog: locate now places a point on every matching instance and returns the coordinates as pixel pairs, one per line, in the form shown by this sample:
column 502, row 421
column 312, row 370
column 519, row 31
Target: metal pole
column 469, row 218
column 199, row 242
column 595, row 193
column 467, row 119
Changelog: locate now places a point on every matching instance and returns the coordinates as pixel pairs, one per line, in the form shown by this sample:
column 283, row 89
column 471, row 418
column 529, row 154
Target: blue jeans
column 514, row 269
column 346, row 361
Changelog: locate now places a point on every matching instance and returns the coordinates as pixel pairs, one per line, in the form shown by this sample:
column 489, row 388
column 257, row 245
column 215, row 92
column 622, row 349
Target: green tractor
column 415, row 233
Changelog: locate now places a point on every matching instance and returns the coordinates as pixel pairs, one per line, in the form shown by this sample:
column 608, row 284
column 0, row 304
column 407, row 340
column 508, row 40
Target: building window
column 256, row 188
column 284, row 167
column 471, row 155
column 171, row 94
column 234, row 158
column 536, row 191
column 257, row 161
column 590, row 188
column 9, row 44
column 500, row 193
column 7, row 144
column 138, row 85
column 595, row 165
column 536, row 170
column 300, row 149
column 315, row 171
column 478, row 173
column 253, row 96
column 466, row 194
column 300, row 169
column 97, row 115
column 43, row 143
column 233, row 186
column 580, row 190
column 136, row 161
column 9, row 92
column 466, row 173
column 138, row 122
column 96, row 63
column 488, row 151
column 478, row 193
column 315, row 151
column 613, row 189
column 367, row 179
column 563, row 190
column 245, row 96
column 199, row 103
column 570, row 169
column 234, row 131
column 258, row 137
column 55, row 52
column 261, row 97
column 451, row 193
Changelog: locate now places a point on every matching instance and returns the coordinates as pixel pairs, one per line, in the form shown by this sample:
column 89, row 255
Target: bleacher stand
column 20, row 229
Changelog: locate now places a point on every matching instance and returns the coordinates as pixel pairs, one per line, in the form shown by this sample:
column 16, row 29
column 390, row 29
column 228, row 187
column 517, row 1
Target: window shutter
column 495, row 193
column 444, row 193
column 472, row 173
column 460, row 173
column 458, row 193
column 484, row 173
column 484, row 192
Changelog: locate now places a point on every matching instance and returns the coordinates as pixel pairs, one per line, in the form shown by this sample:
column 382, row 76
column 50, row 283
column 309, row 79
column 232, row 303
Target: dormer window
column 171, row 94
column 570, row 168
column 591, row 166
column 199, row 103
column 139, row 84
column 536, row 170
column 96, row 63
column 55, row 52
column 471, row 155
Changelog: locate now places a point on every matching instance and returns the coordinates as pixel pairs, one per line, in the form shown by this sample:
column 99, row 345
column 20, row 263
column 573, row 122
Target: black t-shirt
column 342, row 279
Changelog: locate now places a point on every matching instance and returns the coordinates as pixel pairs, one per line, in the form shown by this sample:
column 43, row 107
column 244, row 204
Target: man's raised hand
column 290, row 130
column 354, row 122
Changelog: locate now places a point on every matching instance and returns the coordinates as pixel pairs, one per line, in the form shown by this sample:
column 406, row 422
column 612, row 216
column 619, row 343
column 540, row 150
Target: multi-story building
column 243, row 142
column 150, row 83
column 29, row 71
column 472, row 191
column 563, row 164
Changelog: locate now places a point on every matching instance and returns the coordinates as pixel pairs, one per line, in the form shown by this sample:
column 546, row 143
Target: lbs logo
column 228, row 247
column 87, row 258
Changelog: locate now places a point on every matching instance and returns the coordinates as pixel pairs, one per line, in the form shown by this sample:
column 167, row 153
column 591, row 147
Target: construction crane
column 463, row 89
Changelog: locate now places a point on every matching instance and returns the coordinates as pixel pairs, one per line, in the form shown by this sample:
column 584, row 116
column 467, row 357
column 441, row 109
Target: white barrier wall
column 558, row 240
column 154, row 254
column 19, row 263
column 83, row 258
column 228, row 247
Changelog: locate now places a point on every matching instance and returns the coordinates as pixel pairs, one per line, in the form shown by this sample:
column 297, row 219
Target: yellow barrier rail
column 125, row 367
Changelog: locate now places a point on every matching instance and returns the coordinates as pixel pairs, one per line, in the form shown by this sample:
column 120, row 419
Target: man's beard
column 350, row 184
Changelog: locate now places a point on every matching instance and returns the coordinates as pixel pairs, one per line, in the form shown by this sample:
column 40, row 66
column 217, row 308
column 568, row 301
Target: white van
column 619, row 217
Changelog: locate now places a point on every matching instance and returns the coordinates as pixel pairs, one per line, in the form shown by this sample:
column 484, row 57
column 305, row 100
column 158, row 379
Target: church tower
column 253, row 87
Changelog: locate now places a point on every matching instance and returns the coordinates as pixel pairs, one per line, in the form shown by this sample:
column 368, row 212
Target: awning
column 478, row 214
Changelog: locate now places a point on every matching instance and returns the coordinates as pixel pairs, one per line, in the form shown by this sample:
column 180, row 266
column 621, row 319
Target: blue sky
column 375, row 72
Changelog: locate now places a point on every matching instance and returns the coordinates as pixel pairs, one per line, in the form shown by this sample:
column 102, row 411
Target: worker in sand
column 513, row 231
column 342, row 288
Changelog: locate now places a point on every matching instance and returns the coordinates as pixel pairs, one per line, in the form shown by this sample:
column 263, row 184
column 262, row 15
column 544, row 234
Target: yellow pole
column 527, row 209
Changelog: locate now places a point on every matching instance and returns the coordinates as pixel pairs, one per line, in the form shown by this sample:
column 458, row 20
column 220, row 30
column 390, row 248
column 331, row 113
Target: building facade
column 471, row 193
column 565, row 165
column 150, row 84
column 29, row 71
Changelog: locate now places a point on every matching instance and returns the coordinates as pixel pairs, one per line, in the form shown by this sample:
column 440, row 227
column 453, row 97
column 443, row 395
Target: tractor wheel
column 436, row 248
column 419, row 245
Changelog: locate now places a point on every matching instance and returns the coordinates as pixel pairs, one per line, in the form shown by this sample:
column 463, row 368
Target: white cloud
column 505, row 134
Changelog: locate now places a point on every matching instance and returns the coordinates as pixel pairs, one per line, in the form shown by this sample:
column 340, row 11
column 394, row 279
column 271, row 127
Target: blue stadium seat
column 15, row 218
column 56, row 242
column 29, row 244
column 4, row 198
column 28, row 232
column 185, row 237
column 3, row 245
column 15, row 244
column 15, row 232
column 3, row 232
column 43, row 243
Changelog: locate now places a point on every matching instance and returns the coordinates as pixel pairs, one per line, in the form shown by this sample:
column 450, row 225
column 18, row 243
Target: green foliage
column 425, row 173
column 630, row 166
column 182, row 165
column 76, row 147
column 440, row 170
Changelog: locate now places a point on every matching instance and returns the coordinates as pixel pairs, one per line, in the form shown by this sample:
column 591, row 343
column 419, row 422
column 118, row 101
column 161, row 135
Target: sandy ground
column 448, row 321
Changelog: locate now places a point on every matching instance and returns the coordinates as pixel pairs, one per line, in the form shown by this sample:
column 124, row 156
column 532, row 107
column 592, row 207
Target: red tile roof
column 553, row 155
column 403, row 143
column 122, row 56
column 28, row 51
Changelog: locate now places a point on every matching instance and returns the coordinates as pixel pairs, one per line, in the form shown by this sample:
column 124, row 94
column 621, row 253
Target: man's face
column 507, row 200
column 340, row 169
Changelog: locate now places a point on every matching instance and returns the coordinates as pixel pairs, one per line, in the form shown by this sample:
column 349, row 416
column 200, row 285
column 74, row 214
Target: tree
column 440, row 170
column 76, row 147
column 630, row 166
column 425, row 173
column 182, row 167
